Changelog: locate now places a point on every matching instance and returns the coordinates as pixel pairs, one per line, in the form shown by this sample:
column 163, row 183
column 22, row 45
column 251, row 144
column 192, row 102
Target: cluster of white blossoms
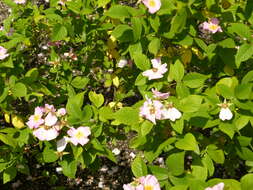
column 157, row 109
column 46, row 122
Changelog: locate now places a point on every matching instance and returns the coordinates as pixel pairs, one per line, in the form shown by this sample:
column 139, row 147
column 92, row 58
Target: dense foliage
column 78, row 74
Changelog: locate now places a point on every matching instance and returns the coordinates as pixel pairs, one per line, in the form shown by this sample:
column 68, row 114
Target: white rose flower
column 225, row 114
column 171, row 113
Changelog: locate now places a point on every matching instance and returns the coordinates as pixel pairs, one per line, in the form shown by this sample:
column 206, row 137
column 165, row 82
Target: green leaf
column 243, row 91
column 127, row 115
column 19, row 90
column 139, row 167
column 9, row 174
column 244, row 141
column 96, row 99
column 152, row 154
column 154, row 46
column 8, row 63
column 137, row 28
column 80, row 82
column 176, row 71
column 175, row 163
column 120, row 29
column 194, row 80
column 32, row 74
column 244, row 53
column 188, row 143
column 146, row 127
column 105, row 113
column 208, row 163
column 225, row 91
column 159, row 172
column 7, row 140
column 178, row 126
column 155, row 23
column 228, row 129
column 248, row 77
column 59, row 32
column 191, row 103
column 69, row 167
column 117, row 11
column 75, row 103
column 179, row 187
column 141, row 61
column 178, row 22
column 216, row 155
column 199, row 172
column 49, row 155
column 247, row 182
column 240, row 29
column 102, row 3
column 74, row 6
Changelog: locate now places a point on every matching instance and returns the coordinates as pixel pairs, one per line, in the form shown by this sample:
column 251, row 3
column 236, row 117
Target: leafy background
column 199, row 149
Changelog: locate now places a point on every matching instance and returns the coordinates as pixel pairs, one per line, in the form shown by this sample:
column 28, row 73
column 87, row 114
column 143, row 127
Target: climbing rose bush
column 172, row 77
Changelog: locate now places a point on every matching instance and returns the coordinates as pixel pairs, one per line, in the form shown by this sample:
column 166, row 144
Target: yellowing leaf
column 198, row 53
column 115, row 81
column 7, row 117
column 17, row 122
column 186, row 56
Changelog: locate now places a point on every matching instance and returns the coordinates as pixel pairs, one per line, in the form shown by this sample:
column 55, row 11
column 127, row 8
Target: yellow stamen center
column 154, row 70
column 148, row 187
column 79, row 135
column 213, row 27
column 36, row 118
column 152, row 110
column 152, row 3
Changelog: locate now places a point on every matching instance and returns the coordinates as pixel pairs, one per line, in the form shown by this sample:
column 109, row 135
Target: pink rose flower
column 212, row 26
column 152, row 5
column 35, row 121
column 79, row 135
column 219, row 186
column 151, row 110
column 160, row 95
column 157, row 71
column 3, row 53
column 148, row 182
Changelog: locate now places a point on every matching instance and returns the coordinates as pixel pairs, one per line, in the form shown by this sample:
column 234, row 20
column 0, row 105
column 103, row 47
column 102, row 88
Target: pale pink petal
column 71, row 131
column 214, row 21
column 61, row 112
column 156, row 63
column 62, row 143
column 50, row 119
column 85, row 130
column 160, row 95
